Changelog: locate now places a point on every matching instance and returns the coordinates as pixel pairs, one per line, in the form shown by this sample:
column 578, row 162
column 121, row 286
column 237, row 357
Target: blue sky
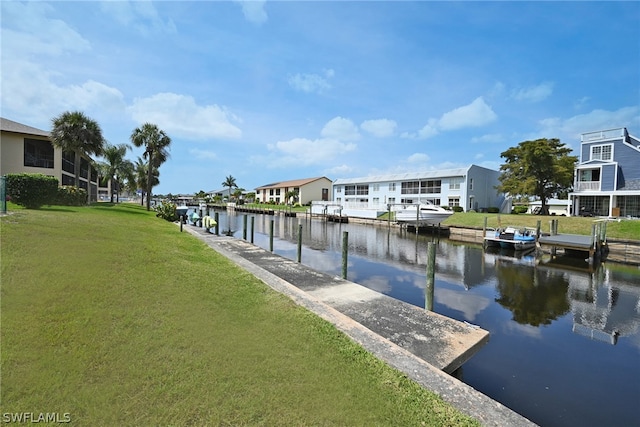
column 272, row 91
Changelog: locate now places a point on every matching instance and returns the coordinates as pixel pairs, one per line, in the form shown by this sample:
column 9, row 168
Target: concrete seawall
column 400, row 334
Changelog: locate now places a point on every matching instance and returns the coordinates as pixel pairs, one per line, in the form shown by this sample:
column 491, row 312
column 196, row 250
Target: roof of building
column 7, row 125
column 292, row 183
column 405, row 176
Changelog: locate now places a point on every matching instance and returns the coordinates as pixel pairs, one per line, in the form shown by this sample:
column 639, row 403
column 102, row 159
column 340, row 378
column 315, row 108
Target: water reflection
column 553, row 324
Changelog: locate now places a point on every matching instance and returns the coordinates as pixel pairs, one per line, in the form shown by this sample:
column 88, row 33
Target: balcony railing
column 603, row 134
column 587, row 186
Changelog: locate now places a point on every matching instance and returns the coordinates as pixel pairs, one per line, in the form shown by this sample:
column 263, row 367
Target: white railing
column 587, row 186
column 603, row 134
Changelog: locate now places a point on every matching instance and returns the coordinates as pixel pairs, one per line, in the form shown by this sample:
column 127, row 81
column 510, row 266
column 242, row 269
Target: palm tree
column 156, row 144
column 230, row 182
column 141, row 174
column 73, row 131
column 291, row 195
column 113, row 168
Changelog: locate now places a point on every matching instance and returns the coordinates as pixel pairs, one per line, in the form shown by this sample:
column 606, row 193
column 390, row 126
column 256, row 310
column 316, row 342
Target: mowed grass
column 115, row 317
column 624, row 229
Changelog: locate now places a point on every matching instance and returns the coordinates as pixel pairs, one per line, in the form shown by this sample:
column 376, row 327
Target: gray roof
column 7, row 125
column 405, row 176
column 631, row 184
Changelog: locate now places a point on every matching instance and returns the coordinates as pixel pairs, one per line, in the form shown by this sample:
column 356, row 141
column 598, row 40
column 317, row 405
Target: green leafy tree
column 230, row 183
column 114, row 165
column 541, row 168
column 156, row 144
column 291, row 196
column 74, row 132
column 141, row 173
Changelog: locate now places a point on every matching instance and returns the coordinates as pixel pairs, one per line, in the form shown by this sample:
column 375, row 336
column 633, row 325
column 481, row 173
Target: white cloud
column 305, row 152
column 380, row 128
column 341, row 129
column 571, row 128
column 478, row 113
column 340, row 170
column 311, row 82
column 26, row 30
column 489, row 138
column 534, row 93
column 203, row 154
column 253, row 10
column 419, row 158
column 140, row 14
column 179, row 115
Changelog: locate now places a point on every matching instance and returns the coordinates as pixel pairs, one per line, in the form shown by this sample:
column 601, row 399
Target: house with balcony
column 306, row 190
column 607, row 177
column 25, row 149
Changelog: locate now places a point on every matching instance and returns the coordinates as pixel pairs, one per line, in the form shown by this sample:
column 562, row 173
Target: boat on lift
column 422, row 214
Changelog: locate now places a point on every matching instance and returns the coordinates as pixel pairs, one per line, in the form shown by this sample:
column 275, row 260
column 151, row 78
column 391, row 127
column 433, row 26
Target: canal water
column 564, row 348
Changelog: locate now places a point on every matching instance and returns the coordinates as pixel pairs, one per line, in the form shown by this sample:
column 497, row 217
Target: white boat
column 428, row 214
column 519, row 239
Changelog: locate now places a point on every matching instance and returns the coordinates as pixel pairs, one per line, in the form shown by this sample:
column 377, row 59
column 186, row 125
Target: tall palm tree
column 140, row 176
column 229, row 182
column 156, row 143
column 113, row 166
column 73, row 131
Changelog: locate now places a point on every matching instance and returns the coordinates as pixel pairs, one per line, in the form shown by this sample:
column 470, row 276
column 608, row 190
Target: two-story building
column 472, row 188
column 25, row 149
column 306, row 190
column 607, row 177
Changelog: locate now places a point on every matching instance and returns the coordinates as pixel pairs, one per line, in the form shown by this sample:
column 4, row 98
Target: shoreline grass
column 115, row 317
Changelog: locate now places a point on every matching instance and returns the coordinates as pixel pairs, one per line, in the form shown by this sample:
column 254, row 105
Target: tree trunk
column 111, row 189
column 149, row 175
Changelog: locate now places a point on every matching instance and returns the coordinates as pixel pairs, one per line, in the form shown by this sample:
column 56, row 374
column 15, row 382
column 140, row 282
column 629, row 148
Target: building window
column 38, row 153
column 349, row 190
column 392, row 200
column 431, row 186
column 376, row 201
column 454, row 201
column 271, row 191
column 277, row 192
column 588, row 175
column 471, row 184
column 339, row 189
column 601, row 152
column 410, row 187
column 362, row 190
column 376, row 187
column 454, row 184
column 392, row 186
column 84, row 168
column 433, row 201
column 68, row 180
column 339, row 200
column 68, row 161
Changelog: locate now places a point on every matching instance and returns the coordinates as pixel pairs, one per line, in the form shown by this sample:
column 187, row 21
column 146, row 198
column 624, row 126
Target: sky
column 268, row 91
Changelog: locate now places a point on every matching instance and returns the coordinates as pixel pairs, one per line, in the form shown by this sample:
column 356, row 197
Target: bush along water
column 166, row 210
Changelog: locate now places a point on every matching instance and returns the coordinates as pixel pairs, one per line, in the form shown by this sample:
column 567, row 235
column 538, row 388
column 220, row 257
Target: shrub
column 166, row 210
column 493, row 209
column 69, row 195
column 519, row 209
column 32, row 190
column 458, row 209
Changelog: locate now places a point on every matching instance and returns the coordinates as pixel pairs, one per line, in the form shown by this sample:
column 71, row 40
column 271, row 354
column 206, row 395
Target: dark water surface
column 565, row 339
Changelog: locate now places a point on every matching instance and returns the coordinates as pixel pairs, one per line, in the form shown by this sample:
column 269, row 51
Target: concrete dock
column 424, row 345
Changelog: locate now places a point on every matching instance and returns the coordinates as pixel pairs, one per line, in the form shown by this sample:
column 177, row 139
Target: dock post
column 538, row 229
column 253, row 221
column 271, row 236
column 299, row 243
column 345, row 252
column 431, row 270
column 244, row 227
column 181, row 220
column 216, row 215
column 484, row 233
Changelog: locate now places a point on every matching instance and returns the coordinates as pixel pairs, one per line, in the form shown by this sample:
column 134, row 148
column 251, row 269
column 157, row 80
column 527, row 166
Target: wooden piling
column 253, row 221
column 271, row 236
column 431, row 270
column 299, row 243
column 345, row 253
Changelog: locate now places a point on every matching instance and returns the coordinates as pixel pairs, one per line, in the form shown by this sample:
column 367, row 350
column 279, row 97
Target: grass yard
column 116, row 318
column 623, row 229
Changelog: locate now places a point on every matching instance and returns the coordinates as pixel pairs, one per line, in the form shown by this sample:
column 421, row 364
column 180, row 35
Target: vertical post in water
column 299, row 242
column 253, row 222
column 271, row 236
column 244, row 227
column 345, row 253
column 217, row 218
column 431, row 274
column 538, row 229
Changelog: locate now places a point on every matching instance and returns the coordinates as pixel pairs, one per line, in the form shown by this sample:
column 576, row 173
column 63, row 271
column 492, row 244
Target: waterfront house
column 25, row 149
column 472, row 188
column 607, row 177
column 306, row 190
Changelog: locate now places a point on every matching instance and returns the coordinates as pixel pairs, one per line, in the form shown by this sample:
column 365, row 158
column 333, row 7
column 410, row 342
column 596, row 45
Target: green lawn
column 115, row 317
column 623, row 229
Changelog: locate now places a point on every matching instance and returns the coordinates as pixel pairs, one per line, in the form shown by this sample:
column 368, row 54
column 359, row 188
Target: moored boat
column 511, row 238
column 427, row 213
